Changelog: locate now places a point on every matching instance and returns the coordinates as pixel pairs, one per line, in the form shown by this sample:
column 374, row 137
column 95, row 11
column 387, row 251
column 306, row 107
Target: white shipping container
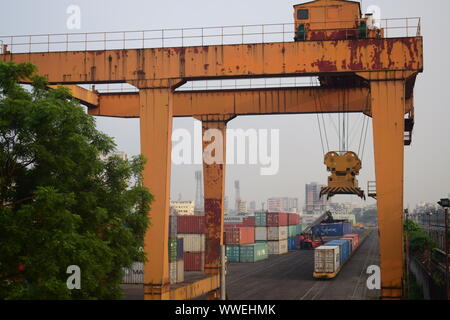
column 173, row 272
column 261, row 234
column 277, row 233
column 193, row 242
column 278, row 247
column 134, row 275
column 326, row 259
column 180, row 271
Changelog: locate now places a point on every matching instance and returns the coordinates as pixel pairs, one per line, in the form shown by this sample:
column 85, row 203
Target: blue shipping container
column 292, row 244
column 332, row 229
column 344, row 249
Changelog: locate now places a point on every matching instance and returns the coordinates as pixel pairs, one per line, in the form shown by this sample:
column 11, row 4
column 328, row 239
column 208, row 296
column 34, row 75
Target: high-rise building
column 284, row 204
column 242, row 207
column 252, row 207
column 237, row 197
column 199, row 202
column 313, row 203
column 183, row 208
column 225, row 204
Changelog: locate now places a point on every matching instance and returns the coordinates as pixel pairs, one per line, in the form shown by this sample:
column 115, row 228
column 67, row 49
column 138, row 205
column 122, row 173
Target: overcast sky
column 427, row 169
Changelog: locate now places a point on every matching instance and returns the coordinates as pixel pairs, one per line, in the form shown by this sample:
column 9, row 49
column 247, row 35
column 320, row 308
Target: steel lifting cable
column 333, row 123
column 348, row 120
column 318, row 120
column 361, row 136
column 363, row 133
column 365, row 138
column 353, row 131
column 324, row 127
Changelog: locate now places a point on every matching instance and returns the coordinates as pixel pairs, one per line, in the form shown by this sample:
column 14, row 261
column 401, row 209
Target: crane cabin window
column 303, row 14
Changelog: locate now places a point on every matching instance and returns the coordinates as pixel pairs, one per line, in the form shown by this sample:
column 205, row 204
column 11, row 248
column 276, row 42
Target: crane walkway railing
column 186, row 37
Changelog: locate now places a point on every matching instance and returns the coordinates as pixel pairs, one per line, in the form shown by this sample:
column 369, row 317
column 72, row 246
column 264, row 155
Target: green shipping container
column 260, row 219
column 254, row 252
column 292, row 231
column 172, row 250
column 233, row 253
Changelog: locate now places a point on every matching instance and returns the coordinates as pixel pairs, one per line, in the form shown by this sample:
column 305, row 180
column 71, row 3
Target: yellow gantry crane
column 355, row 59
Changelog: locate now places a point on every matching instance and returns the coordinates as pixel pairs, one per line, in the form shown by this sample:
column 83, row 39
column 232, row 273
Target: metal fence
column 186, row 37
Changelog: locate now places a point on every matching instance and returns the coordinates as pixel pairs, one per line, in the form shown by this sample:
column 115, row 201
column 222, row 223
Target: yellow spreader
column 344, row 167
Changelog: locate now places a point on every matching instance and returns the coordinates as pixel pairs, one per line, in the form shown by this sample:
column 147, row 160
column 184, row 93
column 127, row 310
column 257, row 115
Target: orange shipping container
column 240, row 236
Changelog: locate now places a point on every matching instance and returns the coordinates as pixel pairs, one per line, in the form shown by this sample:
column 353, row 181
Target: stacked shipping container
column 192, row 230
column 176, row 262
column 275, row 232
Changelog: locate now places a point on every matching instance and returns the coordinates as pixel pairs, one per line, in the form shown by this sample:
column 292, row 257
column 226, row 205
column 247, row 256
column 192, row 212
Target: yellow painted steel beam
column 142, row 67
column 388, row 105
column 156, row 107
column 214, row 182
column 272, row 101
column 86, row 97
column 196, row 289
column 246, row 102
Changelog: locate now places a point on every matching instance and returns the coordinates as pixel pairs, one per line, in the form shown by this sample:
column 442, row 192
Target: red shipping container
column 277, row 219
column 246, row 222
column 355, row 238
column 194, row 261
column 240, row 236
column 293, row 219
column 249, row 222
column 191, row 224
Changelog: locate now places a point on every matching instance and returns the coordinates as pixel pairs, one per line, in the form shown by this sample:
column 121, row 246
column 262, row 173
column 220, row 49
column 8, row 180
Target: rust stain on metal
column 355, row 56
column 213, row 221
column 93, row 71
column 325, row 66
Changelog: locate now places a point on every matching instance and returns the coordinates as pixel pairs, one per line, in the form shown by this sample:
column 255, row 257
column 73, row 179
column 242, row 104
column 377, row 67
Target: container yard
column 289, row 276
column 253, row 240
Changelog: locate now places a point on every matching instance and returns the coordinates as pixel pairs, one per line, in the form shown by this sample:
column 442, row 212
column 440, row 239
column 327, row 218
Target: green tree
column 60, row 203
column 419, row 241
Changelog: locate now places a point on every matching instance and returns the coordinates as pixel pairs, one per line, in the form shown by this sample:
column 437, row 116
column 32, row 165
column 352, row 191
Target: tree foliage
column 61, row 203
column 419, row 241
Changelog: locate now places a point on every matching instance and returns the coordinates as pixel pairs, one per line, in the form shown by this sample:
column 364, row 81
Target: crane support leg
column 388, row 105
column 214, row 163
column 156, row 110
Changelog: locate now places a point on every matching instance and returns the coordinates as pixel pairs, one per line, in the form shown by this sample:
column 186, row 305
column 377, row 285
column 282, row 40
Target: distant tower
column 199, row 203
column 263, row 204
column 179, row 197
column 237, row 189
column 225, row 204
